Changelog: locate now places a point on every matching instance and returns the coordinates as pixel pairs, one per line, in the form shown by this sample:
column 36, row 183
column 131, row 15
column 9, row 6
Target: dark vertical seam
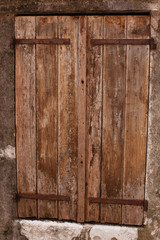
column 15, row 118
column 86, row 160
column 78, row 89
column 147, row 125
column 123, row 163
column 57, row 115
column 101, row 159
column 36, row 135
column 86, row 24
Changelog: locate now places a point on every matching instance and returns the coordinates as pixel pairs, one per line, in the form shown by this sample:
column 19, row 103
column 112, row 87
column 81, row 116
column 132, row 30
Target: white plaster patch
column 147, row 221
column 8, row 152
column 48, row 230
column 113, row 232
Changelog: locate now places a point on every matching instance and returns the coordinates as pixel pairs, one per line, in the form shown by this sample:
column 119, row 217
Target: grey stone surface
column 47, row 230
column 10, row 8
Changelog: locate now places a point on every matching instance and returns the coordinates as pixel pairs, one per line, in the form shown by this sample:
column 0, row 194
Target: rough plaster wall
column 68, row 6
column 7, row 128
column 152, row 220
column 8, row 9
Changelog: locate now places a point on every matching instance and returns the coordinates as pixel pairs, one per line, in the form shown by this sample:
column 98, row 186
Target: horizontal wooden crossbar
column 135, row 202
column 51, row 197
column 150, row 42
column 43, row 41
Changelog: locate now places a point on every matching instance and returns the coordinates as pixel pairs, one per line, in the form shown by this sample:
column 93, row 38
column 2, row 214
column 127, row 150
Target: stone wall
column 8, row 211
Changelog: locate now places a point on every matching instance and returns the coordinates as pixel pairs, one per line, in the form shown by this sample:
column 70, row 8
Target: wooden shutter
column 47, row 116
column 81, row 117
column 117, row 97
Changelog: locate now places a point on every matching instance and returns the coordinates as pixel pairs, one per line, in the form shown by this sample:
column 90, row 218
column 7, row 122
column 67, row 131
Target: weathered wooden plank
column 25, row 116
column 81, row 118
column 67, row 118
column 135, row 119
column 93, row 120
column 113, row 117
column 47, row 103
column 25, row 27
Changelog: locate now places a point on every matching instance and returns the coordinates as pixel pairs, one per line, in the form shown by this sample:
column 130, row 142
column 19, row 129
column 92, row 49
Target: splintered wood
column 81, row 117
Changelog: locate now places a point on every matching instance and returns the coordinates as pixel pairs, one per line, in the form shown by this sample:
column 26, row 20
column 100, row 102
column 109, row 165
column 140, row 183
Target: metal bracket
column 135, row 202
column 149, row 42
column 58, row 41
column 51, row 197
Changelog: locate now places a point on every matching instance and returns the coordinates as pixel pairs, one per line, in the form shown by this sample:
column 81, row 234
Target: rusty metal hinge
column 149, row 42
column 59, row 41
column 135, row 202
column 51, row 197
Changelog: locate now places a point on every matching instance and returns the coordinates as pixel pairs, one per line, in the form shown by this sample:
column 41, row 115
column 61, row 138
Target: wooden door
column 81, row 117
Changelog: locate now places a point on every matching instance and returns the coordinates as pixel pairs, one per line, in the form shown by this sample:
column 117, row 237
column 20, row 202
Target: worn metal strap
column 51, row 197
column 42, row 41
column 135, row 202
column 150, row 42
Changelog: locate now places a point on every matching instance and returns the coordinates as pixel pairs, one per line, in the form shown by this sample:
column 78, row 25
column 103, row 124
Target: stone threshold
column 53, row 230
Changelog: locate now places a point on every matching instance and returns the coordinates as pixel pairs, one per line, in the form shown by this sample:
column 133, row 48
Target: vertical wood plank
column 94, row 112
column 25, row 116
column 113, row 117
column 47, row 96
column 67, row 118
column 81, row 118
column 135, row 118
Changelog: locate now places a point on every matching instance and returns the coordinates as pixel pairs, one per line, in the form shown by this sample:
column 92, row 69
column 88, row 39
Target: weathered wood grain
column 91, row 117
column 47, row 104
column 68, row 117
column 135, row 119
column 114, row 66
column 81, row 117
column 25, row 116
column 94, row 116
